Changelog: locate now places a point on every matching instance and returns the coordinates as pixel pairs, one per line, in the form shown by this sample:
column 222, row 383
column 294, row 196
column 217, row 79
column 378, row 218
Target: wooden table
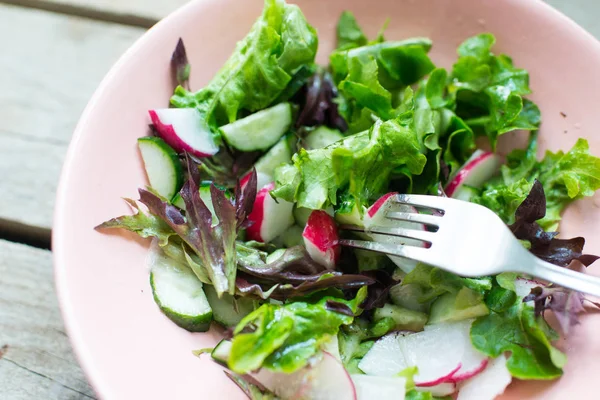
column 54, row 54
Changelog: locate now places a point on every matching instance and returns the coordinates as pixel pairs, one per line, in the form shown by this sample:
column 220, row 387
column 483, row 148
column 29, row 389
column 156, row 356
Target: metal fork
column 458, row 245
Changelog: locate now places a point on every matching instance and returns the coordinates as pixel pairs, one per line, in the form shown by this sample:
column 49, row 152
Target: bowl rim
column 60, row 215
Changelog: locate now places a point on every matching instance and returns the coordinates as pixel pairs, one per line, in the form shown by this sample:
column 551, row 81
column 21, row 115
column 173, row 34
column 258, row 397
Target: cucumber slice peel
column 180, row 296
column 162, row 166
column 227, row 310
column 259, row 131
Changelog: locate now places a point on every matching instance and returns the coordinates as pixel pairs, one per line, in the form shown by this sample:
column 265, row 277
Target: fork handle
column 566, row 277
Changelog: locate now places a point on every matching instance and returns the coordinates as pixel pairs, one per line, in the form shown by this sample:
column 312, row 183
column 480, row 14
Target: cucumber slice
column 451, row 307
column 260, row 130
column 404, row 318
column 179, row 294
column 162, row 165
column 227, row 310
column 466, row 193
column 221, row 351
column 279, row 154
column 301, row 214
column 292, row 237
column 322, row 137
column 408, row 296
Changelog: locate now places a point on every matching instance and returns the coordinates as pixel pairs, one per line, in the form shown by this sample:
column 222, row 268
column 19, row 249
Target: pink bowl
column 127, row 348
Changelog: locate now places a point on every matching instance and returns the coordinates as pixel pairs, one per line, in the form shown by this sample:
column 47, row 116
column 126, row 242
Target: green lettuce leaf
column 280, row 43
column 513, row 327
column 349, row 33
column 565, row 177
column 361, row 163
column 284, row 337
column 488, row 90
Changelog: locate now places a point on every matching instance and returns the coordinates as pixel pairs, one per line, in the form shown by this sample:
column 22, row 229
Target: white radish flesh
column 321, row 239
column 379, row 388
column 327, row 379
column 478, row 169
column 375, row 216
column 385, row 358
column 269, row 218
column 487, row 385
column 184, row 130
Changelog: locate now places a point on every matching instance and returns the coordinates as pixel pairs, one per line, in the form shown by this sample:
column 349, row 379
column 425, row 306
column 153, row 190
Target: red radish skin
column 375, row 216
column 321, row 239
column 261, row 180
column 174, row 139
column 269, row 218
column 441, row 390
column 483, row 160
column 462, row 376
column 444, row 379
column 256, row 217
column 379, row 203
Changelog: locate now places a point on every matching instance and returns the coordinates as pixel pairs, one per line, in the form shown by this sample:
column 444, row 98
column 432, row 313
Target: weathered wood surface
column 36, row 361
column 50, row 66
column 132, row 12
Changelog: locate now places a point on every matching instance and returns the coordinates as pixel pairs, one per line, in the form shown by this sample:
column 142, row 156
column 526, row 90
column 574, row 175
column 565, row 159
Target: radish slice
column 487, row 385
column 437, row 353
column 269, row 218
column 327, row 379
column 441, row 390
column 379, row 388
column 375, row 216
column 262, row 180
column 475, row 172
column 321, row 239
column 443, row 353
column 473, row 363
column 184, row 130
column 385, row 358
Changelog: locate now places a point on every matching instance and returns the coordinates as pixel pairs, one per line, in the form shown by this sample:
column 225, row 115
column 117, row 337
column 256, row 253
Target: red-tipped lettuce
column 180, row 66
column 214, row 244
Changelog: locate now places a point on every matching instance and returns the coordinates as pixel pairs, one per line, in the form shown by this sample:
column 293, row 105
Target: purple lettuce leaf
column 180, row 66
column 319, row 107
column 338, row 307
column 566, row 304
column 545, row 245
column 214, row 244
column 145, row 225
column 378, row 292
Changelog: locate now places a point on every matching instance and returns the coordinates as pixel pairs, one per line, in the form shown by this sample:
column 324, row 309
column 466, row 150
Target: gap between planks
column 85, row 12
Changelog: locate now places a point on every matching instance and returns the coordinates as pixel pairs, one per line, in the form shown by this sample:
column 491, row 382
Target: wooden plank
column 36, row 361
column 133, row 12
column 51, row 73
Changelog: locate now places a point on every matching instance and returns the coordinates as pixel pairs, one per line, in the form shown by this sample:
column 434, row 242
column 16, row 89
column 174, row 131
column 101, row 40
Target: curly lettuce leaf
column 362, row 163
column 349, row 33
column 145, row 225
column 512, row 326
column 565, row 177
column 279, row 44
column 488, row 90
column 284, row 337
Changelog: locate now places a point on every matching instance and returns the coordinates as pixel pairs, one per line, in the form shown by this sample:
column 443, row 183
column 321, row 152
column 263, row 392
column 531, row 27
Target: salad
column 251, row 176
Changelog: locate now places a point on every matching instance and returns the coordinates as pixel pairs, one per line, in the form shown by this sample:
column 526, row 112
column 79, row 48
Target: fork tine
column 427, row 219
column 401, row 232
column 415, row 253
column 434, row 202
